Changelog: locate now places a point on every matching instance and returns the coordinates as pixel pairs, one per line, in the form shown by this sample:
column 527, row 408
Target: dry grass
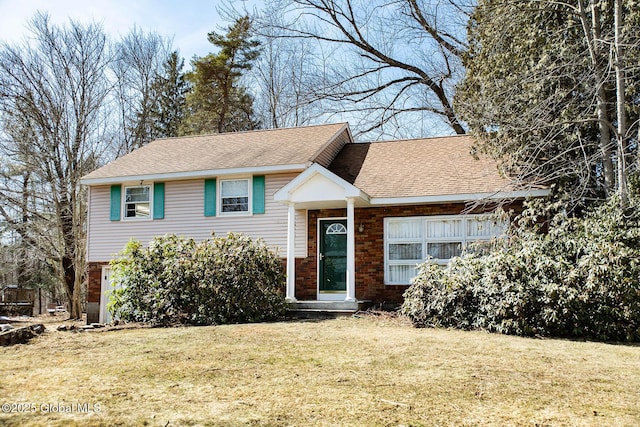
column 358, row 371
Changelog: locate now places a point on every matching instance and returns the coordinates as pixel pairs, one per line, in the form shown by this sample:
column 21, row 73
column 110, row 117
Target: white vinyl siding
column 410, row 241
column 183, row 215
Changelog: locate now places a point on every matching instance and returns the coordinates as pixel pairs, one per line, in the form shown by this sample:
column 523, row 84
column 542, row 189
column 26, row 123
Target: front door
column 332, row 256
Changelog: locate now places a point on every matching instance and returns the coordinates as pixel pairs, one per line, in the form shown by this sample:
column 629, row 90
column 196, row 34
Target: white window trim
column 387, row 261
column 465, row 239
column 339, row 230
column 249, row 211
column 124, row 202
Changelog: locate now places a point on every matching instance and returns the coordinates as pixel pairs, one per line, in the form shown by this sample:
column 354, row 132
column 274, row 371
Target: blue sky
column 186, row 21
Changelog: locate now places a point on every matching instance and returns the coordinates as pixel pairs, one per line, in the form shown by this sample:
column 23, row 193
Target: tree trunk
column 621, row 136
column 602, row 101
column 23, row 226
column 69, row 262
column 593, row 35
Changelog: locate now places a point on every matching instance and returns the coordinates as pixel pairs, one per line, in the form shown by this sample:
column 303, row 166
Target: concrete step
column 325, row 309
column 309, row 313
column 324, row 305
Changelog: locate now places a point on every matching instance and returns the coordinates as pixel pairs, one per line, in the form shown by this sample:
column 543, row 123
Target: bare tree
column 53, row 91
column 280, row 80
column 139, row 60
column 392, row 66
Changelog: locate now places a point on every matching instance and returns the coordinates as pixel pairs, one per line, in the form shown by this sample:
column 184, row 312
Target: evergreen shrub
column 230, row 279
column 579, row 278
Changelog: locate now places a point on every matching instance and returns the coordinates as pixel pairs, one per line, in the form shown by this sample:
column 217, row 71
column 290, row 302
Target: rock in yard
column 20, row 335
column 38, row 329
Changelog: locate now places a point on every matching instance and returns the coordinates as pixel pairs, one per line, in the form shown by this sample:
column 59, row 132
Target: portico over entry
column 319, row 188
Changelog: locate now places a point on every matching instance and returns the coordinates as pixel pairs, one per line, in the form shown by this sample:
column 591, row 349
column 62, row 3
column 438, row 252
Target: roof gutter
column 174, row 176
column 457, row 198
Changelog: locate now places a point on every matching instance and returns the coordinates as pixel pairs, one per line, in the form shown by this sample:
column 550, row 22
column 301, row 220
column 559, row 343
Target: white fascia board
column 196, row 174
column 455, row 198
column 350, row 190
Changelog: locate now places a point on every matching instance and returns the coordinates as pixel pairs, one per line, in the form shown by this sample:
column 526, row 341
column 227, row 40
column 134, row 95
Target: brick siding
column 369, row 249
column 94, row 280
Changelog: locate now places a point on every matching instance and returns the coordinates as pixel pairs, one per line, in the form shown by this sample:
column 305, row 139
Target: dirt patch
column 384, row 317
column 99, row 327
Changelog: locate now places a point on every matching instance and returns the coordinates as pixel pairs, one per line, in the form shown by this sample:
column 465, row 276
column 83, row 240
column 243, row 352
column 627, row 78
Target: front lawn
column 367, row 371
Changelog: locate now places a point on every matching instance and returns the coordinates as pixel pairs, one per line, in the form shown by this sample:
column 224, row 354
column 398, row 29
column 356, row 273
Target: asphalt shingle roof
column 274, row 147
column 418, row 167
column 405, row 168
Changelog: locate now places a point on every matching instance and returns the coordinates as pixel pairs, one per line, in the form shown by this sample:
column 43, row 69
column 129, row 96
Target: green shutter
column 116, row 198
column 258, row 194
column 210, row 197
column 158, row 200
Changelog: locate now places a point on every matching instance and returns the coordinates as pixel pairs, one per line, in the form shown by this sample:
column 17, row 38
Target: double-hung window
column 137, row 201
column 481, row 230
column 444, row 238
column 234, row 196
column 404, row 248
column 238, row 196
column 410, row 241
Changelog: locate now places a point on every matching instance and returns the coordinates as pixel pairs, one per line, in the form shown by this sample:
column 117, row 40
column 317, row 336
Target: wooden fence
column 17, row 301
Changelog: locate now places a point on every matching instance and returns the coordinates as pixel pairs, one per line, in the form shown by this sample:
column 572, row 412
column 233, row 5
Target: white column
column 291, row 254
column 351, row 252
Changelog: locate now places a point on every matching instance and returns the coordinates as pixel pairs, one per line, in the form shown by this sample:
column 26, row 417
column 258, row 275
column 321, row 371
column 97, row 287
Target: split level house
column 350, row 220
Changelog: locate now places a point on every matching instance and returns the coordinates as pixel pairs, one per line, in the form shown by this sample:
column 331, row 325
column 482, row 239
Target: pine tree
column 218, row 102
column 169, row 92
